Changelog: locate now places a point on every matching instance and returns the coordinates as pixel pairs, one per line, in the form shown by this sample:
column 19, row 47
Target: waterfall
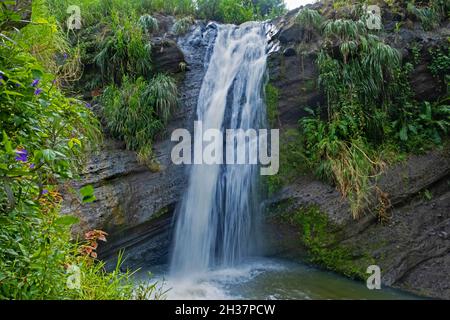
column 217, row 215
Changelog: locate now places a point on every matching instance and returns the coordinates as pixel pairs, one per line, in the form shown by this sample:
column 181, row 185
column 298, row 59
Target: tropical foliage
column 370, row 111
column 45, row 136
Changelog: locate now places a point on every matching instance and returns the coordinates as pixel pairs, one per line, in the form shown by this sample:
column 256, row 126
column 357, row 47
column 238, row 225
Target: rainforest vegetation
column 47, row 129
column 49, row 125
column 370, row 117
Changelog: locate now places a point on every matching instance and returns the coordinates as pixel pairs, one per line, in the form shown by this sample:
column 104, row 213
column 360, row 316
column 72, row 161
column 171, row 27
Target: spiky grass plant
column 356, row 79
column 181, row 26
column 130, row 114
column 148, row 23
column 309, row 18
column 343, row 29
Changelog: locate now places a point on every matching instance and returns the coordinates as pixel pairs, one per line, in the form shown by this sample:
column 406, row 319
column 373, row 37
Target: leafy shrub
column 440, row 62
column 233, row 11
column 238, row 11
column 172, row 7
column 428, row 16
column 137, row 110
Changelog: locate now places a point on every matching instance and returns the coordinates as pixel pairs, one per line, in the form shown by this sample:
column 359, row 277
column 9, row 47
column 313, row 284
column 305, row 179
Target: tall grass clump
column 137, row 110
column 310, row 20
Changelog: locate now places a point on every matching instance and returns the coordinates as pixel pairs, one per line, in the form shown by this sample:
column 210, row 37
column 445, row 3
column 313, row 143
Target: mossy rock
column 321, row 239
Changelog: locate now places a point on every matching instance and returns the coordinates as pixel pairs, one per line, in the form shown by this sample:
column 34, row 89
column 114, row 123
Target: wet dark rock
column 291, row 33
column 167, row 56
column 295, row 77
column 165, row 24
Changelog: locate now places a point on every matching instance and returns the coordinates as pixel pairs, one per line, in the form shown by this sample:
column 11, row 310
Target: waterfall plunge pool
column 265, row 279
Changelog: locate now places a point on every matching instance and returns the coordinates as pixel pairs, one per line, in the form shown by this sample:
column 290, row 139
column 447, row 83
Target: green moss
column 272, row 96
column 292, row 161
column 318, row 236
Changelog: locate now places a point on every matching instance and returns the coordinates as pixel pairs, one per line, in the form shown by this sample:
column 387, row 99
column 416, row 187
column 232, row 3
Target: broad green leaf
column 12, row 93
column 87, row 194
column 49, row 155
column 67, row 220
column 7, row 143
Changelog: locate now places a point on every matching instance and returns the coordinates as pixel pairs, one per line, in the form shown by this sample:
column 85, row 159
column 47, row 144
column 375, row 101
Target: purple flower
column 54, row 81
column 45, row 191
column 37, row 91
column 88, row 105
column 32, row 166
column 35, row 83
column 65, row 56
column 17, row 85
column 22, row 155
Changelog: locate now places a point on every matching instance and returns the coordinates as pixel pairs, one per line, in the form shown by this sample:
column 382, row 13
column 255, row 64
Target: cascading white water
column 218, row 211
